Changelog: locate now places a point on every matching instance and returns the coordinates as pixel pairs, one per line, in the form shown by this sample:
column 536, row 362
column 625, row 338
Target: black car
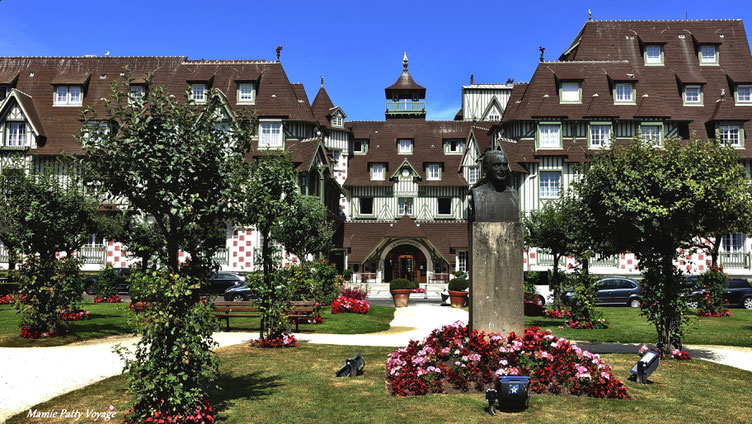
column 221, row 281
column 738, row 293
column 614, row 291
column 90, row 284
column 238, row 293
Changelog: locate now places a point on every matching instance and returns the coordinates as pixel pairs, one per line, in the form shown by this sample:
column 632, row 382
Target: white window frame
column 473, row 174
column 433, row 172
column 378, row 172
column 198, row 92
column 620, row 91
column 337, row 121
column 458, row 148
column 136, row 92
column 405, row 206
column 570, row 92
column 547, row 137
column 64, row 95
column 686, row 97
column 438, row 211
column 598, row 138
column 270, row 134
column 726, row 133
column 704, row 60
column 462, row 256
column 15, row 138
column 360, row 206
column 404, row 146
column 655, row 142
column 494, row 117
column 732, row 243
column 360, row 147
column 245, row 97
column 745, row 99
column 653, row 60
column 549, row 188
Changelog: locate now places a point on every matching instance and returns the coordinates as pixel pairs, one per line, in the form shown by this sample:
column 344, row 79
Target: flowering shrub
column 558, row 313
column 534, row 308
column 453, row 357
column 7, row 299
column 715, row 313
column 587, row 325
column 78, row 315
column 354, row 291
column 711, row 302
column 344, row 304
column 29, row 333
column 583, row 314
column 316, row 319
column 113, row 299
column 285, row 340
column 203, row 414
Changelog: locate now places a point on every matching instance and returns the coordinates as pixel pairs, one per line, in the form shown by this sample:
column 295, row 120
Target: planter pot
column 458, row 298
column 401, row 297
column 138, row 307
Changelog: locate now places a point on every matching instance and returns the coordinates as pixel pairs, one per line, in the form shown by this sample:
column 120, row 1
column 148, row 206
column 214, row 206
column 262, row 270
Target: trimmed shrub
column 458, row 284
column 403, row 283
column 347, row 274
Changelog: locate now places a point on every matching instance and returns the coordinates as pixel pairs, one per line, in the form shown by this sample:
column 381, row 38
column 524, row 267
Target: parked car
column 221, row 281
column 90, row 284
column 238, row 293
column 738, row 293
column 614, row 291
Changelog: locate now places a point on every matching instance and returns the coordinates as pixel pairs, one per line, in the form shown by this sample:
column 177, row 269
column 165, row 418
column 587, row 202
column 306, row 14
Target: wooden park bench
column 298, row 310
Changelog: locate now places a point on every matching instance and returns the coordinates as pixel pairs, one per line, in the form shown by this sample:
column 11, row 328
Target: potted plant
column 400, row 289
column 458, row 291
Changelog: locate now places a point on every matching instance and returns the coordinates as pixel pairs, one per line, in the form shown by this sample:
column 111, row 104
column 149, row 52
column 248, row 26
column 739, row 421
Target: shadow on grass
column 254, row 386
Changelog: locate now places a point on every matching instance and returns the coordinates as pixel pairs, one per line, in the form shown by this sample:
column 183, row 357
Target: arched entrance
column 405, row 261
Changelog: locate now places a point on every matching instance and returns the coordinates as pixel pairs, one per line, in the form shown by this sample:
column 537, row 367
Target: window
column 366, row 205
column 360, row 146
column 16, row 134
column 445, row 205
column 624, row 93
column 549, row 136
column 95, row 130
column 337, row 120
column 744, row 94
column 708, row 55
column 454, row 146
column 730, row 134
column 433, row 172
column 494, row 117
column 404, row 146
column 198, row 93
column 336, row 157
column 692, row 95
column 652, row 134
column 473, row 173
column 246, row 92
column 570, row 92
column 136, row 93
column 271, row 134
column 653, row 55
column 600, row 136
column 405, row 205
column 549, row 184
column 732, row 243
column 462, row 260
column 68, row 95
column 377, row 171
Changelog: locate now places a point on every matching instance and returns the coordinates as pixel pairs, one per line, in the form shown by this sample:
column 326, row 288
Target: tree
column 547, row 228
column 309, row 228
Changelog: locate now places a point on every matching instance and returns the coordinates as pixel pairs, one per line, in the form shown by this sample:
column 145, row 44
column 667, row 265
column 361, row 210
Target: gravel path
column 34, row 375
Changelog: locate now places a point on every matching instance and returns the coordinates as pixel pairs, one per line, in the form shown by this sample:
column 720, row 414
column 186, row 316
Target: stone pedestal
column 496, row 276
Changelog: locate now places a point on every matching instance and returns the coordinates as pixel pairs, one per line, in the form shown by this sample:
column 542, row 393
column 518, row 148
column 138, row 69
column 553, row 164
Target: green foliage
column 143, row 239
column 173, row 363
column 713, row 281
column 402, row 283
column 106, row 283
column 458, row 284
column 347, row 274
column 583, row 300
column 315, row 280
column 308, row 229
column 531, row 292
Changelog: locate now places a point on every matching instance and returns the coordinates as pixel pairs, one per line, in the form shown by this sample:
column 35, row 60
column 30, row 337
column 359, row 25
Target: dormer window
column 377, row 172
column 708, row 54
column 136, row 92
column 15, row 134
column 455, row 146
column 653, row 54
column 270, row 134
column 198, row 93
column 360, row 147
column 404, row 146
column 337, row 120
column 68, row 95
column 570, row 92
column 744, row 94
column 731, row 134
column 433, row 172
column 692, row 95
column 246, row 93
column 624, row 93
column 494, row 117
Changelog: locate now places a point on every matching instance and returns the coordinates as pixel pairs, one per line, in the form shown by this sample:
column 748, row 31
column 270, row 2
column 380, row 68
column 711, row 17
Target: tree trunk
column 556, row 282
column 172, row 254
column 266, row 259
column 715, row 252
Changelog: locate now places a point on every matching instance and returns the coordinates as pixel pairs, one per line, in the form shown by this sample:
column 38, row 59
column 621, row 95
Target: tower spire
column 404, row 61
column 322, row 80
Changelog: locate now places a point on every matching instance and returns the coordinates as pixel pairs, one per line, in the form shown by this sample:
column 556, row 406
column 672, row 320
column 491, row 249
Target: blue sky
column 357, row 45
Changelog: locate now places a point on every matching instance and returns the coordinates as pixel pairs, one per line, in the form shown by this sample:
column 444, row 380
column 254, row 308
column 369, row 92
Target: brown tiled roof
column 275, row 96
column 404, row 85
column 30, row 111
column 428, row 147
column 322, row 106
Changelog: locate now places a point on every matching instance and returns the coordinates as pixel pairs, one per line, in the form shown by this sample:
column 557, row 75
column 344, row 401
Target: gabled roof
column 27, row 107
column 404, row 163
column 322, row 106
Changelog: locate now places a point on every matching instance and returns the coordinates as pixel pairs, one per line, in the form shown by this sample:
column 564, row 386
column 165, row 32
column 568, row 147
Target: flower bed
column 587, row 325
column 316, row 319
column 715, row 313
column 78, row 315
column 201, row 415
column 113, row 299
column 453, row 358
column 285, row 340
column 558, row 313
column 7, row 299
column 534, row 309
column 418, row 290
column 29, row 333
column 345, row 304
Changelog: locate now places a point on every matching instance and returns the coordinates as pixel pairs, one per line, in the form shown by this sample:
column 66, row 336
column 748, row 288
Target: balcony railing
column 544, row 258
column 3, row 254
column 734, row 260
column 93, row 254
column 605, row 261
column 405, row 107
column 222, row 256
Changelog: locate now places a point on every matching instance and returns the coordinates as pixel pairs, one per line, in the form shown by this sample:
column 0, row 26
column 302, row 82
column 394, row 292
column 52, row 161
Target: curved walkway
column 33, row 375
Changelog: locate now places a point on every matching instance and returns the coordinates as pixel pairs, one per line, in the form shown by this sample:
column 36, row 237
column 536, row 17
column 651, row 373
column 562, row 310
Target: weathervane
column 542, row 49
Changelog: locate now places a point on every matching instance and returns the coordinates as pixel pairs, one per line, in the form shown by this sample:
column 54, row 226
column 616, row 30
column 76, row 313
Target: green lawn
column 298, row 385
column 627, row 326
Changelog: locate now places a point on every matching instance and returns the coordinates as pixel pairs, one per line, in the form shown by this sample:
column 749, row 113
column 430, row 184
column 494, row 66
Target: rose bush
column 453, row 357
column 78, row 315
column 558, row 313
column 711, row 303
column 285, row 340
column 201, row 415
column 112, row 299
column 344, row 304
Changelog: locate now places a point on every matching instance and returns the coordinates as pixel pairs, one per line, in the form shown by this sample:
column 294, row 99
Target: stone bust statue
column 491, row 200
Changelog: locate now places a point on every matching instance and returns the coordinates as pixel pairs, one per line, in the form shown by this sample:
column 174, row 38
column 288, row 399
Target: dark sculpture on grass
column 491, row 199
